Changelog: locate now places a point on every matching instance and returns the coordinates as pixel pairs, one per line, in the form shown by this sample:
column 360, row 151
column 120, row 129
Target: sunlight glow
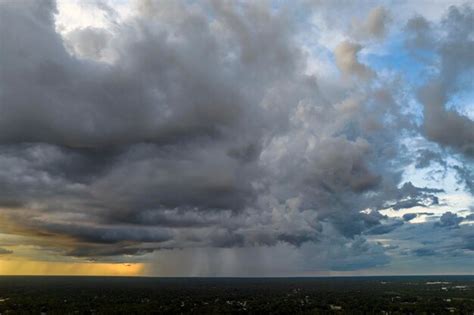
column 23, row 267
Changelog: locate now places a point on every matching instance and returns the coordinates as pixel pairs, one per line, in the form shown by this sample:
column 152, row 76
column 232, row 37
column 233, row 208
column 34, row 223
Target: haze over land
column 236, row 138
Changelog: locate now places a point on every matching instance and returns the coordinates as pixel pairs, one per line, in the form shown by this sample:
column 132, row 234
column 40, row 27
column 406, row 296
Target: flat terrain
column 351, row 295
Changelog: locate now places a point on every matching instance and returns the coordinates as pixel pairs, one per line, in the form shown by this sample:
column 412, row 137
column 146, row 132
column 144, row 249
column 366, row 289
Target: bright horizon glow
column 48, row 268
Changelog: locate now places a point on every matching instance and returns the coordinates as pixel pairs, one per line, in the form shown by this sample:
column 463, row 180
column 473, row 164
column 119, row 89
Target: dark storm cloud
column 204, row 179
column 88, row 109
column 156, row 91
column 108, row 251
column 193, row 127
column 170, row 128
column 107, row 234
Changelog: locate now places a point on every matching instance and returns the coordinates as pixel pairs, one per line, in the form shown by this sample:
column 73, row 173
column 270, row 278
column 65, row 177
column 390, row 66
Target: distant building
column 335, row 307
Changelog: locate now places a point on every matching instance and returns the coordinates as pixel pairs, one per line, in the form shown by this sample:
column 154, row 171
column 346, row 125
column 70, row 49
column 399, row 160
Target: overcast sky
column 236, row 138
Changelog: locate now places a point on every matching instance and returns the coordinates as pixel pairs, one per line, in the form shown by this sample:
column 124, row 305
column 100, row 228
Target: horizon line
column 238, row 277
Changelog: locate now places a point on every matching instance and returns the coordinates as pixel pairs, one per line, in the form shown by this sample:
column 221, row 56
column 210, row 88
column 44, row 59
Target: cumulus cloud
column 347, row 61
column 420, row 33
column 375, row 25
column 446, row 127
column 449, row 219
column 454, row 47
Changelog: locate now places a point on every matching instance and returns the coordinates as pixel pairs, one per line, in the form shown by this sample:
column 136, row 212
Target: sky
column 236, row 138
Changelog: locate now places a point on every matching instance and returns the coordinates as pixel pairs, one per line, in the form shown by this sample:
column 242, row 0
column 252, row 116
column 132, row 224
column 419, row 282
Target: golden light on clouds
column 24, row 267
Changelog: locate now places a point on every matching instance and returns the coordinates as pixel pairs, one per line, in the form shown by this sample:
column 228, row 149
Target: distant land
column 322, row 295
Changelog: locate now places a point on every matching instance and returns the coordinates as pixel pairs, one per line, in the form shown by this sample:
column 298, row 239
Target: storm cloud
column 197, row 126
